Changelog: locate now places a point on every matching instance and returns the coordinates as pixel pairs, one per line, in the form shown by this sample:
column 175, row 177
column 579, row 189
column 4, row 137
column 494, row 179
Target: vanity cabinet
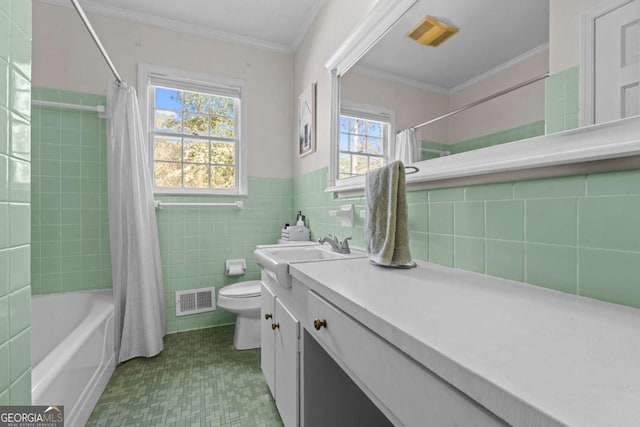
column 443, row 347
column 267, row 337
column 408, row 393
column 280, row 336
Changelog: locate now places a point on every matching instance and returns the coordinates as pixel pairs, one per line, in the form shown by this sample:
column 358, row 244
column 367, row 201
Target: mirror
column 499, row 45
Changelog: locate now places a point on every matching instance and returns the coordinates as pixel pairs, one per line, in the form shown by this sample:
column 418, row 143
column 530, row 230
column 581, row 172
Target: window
column 364, row 141
column 194, row 133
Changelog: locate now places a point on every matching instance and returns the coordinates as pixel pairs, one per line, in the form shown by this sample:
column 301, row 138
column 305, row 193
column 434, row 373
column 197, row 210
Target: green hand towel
column 386, row 233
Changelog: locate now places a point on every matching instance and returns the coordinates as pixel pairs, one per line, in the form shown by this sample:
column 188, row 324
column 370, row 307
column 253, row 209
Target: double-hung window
column 364, row 140
column 195, row 133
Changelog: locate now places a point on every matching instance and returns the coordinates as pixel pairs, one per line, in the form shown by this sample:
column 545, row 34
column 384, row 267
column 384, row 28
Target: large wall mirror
column 385, row 82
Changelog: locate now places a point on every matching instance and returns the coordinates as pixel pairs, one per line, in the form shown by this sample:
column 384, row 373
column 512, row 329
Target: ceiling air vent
column 431, row 32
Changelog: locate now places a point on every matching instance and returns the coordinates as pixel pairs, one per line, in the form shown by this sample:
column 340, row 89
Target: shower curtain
column 407, row 147
column 135, row 250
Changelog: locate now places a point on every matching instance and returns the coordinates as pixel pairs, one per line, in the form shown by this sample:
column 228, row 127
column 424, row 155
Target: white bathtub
column 72, row 354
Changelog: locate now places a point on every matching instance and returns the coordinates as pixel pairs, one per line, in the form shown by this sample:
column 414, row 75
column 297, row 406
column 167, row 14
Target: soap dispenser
column 300, row 219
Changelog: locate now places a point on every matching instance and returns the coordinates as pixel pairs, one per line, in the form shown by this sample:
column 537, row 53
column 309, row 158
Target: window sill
column 596, row 148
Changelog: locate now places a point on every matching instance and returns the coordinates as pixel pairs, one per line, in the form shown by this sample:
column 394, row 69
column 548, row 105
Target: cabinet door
column 287, row 365
column 267, row 316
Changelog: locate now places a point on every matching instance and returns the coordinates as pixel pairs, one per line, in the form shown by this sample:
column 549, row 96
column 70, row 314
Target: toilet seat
column 247, row 289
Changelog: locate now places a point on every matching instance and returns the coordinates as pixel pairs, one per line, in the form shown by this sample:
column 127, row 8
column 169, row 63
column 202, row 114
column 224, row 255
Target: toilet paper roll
column 235, row 270
column 235, row 267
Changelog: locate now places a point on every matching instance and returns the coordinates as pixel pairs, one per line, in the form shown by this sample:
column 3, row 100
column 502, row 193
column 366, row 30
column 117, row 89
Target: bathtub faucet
column 341, row 248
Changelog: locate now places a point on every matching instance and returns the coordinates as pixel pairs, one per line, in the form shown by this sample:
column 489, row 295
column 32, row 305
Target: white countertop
column 532, row 356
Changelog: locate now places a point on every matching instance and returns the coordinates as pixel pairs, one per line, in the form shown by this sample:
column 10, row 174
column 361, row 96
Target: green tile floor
column 198, row 380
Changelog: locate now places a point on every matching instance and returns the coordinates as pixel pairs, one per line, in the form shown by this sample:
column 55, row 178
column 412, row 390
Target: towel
column 386, row 233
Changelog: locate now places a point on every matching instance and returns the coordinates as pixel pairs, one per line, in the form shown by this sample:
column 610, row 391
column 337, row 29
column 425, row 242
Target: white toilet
column 243, row 298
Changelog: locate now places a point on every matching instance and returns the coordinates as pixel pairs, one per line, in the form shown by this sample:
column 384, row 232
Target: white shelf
column 606, row 141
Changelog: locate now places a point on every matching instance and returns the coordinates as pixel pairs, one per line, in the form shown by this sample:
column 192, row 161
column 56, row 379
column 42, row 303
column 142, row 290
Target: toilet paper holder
column 235, row 267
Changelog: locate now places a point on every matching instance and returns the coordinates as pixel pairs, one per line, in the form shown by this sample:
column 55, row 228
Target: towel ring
column 414, row 169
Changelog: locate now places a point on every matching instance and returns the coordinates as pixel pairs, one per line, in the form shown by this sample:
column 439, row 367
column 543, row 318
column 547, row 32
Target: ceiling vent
column 431, row 32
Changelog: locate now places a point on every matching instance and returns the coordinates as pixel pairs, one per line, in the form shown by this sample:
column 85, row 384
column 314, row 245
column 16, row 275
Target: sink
column 275, row 260
column 306, row 254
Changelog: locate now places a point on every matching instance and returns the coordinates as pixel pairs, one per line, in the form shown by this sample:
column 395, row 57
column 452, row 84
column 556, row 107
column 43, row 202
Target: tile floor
column 198, row 380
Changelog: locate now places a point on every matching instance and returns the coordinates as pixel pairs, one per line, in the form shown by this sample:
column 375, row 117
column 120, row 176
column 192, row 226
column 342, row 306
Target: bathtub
column 72, row 351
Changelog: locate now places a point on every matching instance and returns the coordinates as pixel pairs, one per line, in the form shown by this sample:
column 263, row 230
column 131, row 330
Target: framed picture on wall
column 307, row 121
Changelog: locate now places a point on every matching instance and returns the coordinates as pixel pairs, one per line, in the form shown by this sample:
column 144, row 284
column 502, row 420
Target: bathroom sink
column 305, row 254
column 275, row 260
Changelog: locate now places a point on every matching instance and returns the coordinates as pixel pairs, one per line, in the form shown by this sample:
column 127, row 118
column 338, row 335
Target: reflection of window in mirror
column 364, row 135
column 612, row 37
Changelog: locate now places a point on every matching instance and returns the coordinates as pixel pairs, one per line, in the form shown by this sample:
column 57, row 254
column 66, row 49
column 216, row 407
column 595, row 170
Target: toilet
column 243, row 299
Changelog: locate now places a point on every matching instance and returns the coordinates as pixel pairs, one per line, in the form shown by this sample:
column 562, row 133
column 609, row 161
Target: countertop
column 532, row 356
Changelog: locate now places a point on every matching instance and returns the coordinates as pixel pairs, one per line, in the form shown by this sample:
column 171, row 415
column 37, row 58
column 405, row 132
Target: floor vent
column 194, row 301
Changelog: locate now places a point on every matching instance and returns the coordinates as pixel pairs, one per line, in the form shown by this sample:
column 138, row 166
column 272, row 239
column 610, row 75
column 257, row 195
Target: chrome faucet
column 341, row 248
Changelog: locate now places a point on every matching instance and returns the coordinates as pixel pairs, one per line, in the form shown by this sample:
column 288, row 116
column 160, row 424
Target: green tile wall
column 508, row 135
column 15, row 158
column 69, row 221
column 70, row 228
column 309, row 196
column 426, row 155
column 576, row 234
column 562, row 100
column 195, row 242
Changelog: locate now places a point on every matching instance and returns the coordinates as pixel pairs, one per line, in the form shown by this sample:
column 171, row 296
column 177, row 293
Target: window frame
column 196, row 82
column 371, row 113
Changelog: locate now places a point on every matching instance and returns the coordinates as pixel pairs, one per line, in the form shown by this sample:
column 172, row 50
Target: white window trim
column 369, row 112
column 146, row 72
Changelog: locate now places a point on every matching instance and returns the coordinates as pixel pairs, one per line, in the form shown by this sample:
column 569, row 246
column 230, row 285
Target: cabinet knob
column 268, row 316
column 319, row 324
column 275, row 326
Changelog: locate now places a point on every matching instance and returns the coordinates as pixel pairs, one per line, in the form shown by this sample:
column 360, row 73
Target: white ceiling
column 492, row 32
column 270, row 24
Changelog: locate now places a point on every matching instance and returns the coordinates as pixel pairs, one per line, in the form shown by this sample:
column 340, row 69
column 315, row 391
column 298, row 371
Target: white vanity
column 357, row 344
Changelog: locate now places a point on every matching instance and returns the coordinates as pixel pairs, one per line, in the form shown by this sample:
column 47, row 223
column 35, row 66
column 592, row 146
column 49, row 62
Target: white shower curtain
column 407, row 147
column 135, row 250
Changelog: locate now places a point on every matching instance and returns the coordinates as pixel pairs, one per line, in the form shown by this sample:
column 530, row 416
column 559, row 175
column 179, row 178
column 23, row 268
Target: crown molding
column 399, row 79
column 513, row 61
column 444, row 91
column 173, row 25
column 311, row 16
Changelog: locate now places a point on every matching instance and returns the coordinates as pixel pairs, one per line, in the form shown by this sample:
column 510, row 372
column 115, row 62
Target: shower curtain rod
column 483, row 100
column 95, row 38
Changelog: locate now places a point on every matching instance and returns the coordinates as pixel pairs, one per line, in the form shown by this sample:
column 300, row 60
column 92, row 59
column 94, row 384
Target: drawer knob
column 275, row 326
column 319, row 324
column 268, row 316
